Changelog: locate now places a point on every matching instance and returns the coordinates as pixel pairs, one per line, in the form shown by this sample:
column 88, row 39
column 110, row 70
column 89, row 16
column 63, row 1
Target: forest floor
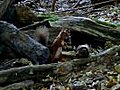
column 101, row 74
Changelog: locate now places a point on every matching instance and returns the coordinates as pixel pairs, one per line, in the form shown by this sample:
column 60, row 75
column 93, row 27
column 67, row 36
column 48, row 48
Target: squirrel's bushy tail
column 42, row 34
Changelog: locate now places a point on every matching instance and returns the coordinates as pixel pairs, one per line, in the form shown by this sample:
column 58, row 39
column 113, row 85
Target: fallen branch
column 17, row 74
column 41, row 71
column 87, row 6
column 17, row 86
column 89, row 26
column 76, row 4
column 91, row 11
column 109, row 51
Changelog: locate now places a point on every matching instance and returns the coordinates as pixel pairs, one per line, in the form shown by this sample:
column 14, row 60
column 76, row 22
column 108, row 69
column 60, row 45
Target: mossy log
column 22, row 45
column 85, row 30
column 87, row 25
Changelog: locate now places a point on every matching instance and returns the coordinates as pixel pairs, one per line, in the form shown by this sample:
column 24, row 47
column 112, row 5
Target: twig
column 91, row 11
column 87, row 6
column 76, row 4
column 109, row 51
column 53, row 5
column 3, row 65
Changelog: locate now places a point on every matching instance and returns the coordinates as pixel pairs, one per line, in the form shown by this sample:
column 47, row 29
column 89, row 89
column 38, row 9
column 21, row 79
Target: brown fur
column 57, row 45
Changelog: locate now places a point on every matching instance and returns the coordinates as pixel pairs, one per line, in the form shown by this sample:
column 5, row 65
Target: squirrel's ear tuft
column 67, row 31
column 64, row 30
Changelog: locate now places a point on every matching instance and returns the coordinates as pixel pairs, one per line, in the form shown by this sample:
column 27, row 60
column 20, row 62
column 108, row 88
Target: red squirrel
column 57, row 45
column 42, row 36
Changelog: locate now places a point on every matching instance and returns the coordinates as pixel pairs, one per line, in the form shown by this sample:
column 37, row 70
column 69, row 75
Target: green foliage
column 48, row 16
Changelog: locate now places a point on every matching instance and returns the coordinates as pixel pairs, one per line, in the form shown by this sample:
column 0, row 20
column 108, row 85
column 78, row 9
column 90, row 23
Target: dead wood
column 23, row 45
column 35, row 25
column 105, row 53
column 4, row 5
column 38, row 71
column 41, row 71
column 88, row 6
column 76, row 4
column 86, row 25
column 17, row 86
column 110, row 51
column 27, row 72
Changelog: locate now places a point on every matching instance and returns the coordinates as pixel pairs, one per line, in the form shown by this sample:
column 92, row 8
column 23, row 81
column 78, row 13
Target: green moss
column 106, row 23
column 48, row 16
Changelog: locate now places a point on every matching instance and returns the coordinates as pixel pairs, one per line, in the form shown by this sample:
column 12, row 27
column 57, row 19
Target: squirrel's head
column 65, row 33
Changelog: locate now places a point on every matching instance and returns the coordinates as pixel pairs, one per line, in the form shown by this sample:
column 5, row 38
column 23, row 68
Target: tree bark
column 22, row 44
column 17, row 86
column 53, row 69
column 82, row 24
